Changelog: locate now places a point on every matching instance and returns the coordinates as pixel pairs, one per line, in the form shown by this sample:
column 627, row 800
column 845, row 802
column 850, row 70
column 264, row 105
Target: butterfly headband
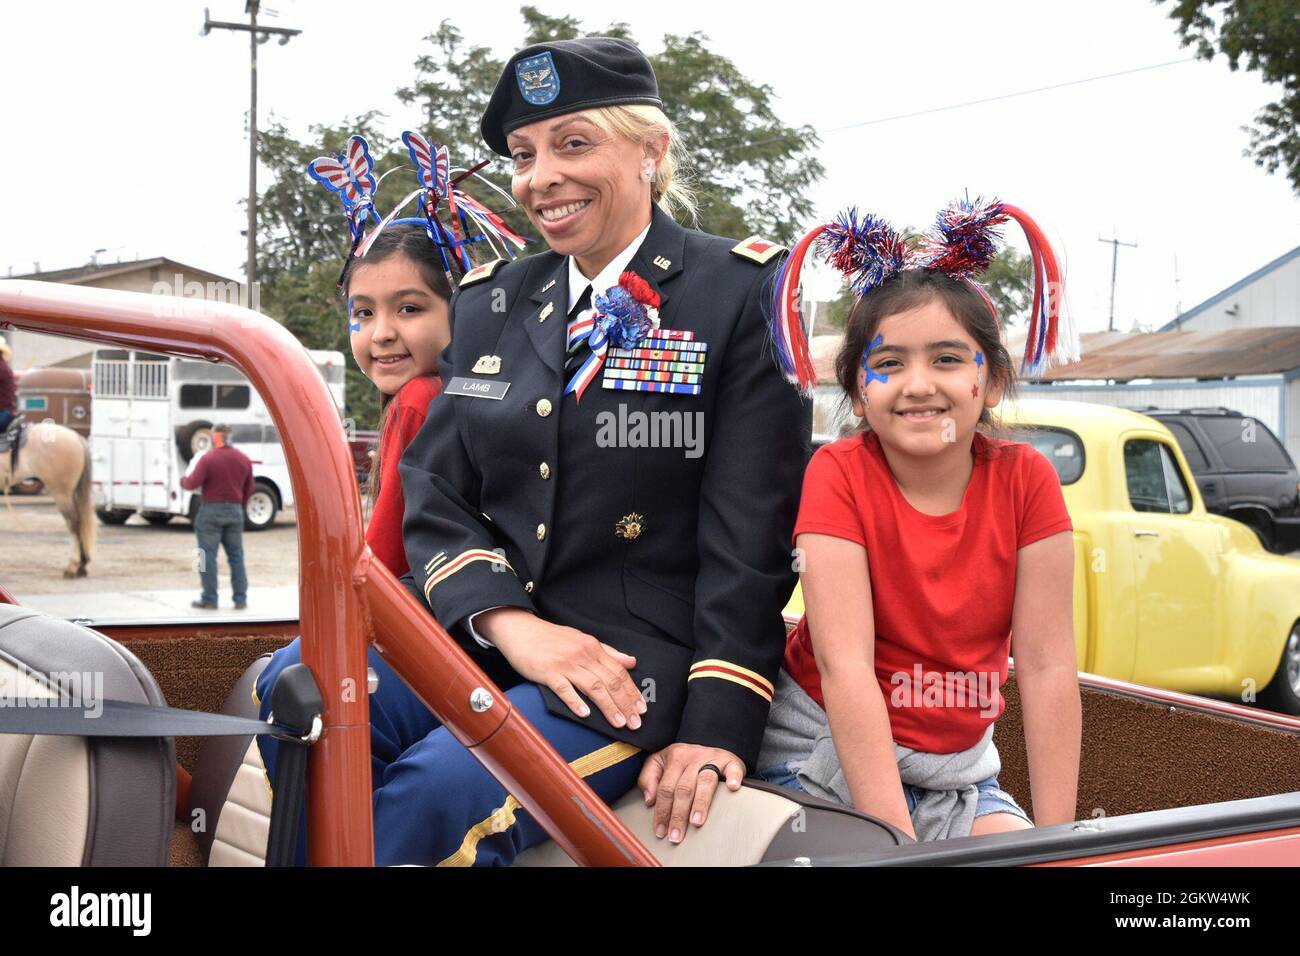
column 867, row 251
column 452, row 218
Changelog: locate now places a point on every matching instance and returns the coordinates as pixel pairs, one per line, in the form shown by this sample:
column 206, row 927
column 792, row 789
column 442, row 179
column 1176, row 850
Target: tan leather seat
column 79, row 801
column 230, row 787
column 759, row 823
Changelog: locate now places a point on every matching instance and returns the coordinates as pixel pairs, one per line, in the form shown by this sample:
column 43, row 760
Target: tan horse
column 60, row 458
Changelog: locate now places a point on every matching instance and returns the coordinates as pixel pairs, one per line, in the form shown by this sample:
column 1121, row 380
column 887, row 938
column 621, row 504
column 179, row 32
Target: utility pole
column 1114, row 265
column 256, row 35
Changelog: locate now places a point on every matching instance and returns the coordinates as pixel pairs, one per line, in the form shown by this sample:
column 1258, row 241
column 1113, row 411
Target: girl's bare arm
column 837, row 600
column 1042, row 636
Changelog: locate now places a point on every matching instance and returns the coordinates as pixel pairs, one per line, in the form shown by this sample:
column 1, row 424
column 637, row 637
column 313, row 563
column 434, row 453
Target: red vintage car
column 1166, row 778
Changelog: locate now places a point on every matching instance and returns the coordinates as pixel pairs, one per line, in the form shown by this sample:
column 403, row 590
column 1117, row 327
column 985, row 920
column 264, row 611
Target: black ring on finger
column 714, row 767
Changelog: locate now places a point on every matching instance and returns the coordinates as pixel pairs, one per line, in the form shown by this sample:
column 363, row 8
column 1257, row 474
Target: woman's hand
column 566, row 660
column 674, row 780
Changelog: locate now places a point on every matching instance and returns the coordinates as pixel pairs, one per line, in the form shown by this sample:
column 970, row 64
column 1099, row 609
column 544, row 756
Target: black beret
column 565, row 76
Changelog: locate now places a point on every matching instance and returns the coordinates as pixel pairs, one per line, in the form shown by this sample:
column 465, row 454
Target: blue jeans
column 992, row 798
column 434, row 804
column 5, row 419
column 221, row 523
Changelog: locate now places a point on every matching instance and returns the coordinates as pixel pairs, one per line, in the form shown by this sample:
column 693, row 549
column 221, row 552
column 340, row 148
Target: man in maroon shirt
column 225, row 476
column 8, row 394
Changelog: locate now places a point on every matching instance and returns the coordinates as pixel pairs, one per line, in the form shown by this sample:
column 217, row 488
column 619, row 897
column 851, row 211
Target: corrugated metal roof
column 1113, row 355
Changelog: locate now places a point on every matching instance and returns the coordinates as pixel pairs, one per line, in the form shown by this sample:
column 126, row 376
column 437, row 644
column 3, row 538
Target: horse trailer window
column 233, row 396
column 197, row 396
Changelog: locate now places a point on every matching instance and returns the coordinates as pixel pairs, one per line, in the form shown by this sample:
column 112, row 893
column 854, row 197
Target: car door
column 1178, row 562
column 1208, row 479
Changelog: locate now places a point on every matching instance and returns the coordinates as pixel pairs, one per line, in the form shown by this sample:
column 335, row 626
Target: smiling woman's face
column 581, row 187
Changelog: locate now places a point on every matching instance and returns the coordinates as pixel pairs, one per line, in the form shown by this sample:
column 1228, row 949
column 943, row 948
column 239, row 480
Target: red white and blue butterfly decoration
column 466, row 219
column 350, row 174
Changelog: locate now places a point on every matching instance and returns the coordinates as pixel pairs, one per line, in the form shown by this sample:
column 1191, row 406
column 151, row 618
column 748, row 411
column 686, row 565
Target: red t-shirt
column 942, row 586
column 405, row 416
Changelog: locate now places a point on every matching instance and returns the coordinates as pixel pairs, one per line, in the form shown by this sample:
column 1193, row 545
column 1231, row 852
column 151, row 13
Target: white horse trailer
column 152, row 415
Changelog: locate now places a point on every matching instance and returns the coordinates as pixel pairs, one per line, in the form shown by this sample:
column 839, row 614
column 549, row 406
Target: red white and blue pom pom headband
column 867, row 251
column 465, row 221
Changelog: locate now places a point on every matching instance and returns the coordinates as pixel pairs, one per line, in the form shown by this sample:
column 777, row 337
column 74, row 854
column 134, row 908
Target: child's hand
column 567, row 660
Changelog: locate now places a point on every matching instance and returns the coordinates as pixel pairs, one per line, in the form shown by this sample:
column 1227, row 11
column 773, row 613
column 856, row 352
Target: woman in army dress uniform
column 600, row 512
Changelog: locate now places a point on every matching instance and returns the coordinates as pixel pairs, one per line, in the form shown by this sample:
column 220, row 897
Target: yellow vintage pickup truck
column 1165, row 593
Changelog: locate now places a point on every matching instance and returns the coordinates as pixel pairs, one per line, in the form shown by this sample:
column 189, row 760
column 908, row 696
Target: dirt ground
column 35, row 546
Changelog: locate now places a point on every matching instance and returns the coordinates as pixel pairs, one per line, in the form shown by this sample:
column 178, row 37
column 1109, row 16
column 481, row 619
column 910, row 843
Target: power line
column 986, row 99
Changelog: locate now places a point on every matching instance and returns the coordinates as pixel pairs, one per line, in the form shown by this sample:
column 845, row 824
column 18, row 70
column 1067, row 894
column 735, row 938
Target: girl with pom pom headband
column 350, row 174
column 962, row 244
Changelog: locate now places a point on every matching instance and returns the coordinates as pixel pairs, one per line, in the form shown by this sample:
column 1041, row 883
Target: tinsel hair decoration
column 452, row 218
column 965, row 238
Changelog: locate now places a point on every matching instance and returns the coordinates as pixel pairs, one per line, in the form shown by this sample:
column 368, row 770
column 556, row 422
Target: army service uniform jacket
column 659, row 523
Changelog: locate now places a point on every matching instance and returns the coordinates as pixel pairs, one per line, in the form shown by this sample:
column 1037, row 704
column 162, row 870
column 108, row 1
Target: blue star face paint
column 353, row 324
column 872, row 374
column 979, row 368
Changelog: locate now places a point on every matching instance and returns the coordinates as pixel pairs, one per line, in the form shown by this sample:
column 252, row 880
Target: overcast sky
column 127, row 126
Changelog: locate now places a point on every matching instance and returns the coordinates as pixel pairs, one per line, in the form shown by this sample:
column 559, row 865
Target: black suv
column 1243, row 471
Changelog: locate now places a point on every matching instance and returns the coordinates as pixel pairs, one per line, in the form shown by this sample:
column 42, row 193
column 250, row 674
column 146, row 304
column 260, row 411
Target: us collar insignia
column 487, row 365
column 662, row 263
column 550, row 285
column 630, row 526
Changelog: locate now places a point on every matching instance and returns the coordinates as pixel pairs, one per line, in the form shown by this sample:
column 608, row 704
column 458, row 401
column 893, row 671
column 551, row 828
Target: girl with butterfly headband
column 398, row 280
column 927, row 542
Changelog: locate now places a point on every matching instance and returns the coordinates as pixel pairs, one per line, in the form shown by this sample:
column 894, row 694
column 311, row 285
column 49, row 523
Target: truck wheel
column 158, row 518
column 193, row 438
column 1283, row 693
column 260, row 511
column 114, row 515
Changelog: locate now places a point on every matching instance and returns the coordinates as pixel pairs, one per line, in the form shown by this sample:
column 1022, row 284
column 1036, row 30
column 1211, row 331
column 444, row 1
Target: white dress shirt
column 605, row 279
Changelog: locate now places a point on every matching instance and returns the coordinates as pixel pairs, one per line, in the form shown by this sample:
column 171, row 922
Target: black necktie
column 578, row 353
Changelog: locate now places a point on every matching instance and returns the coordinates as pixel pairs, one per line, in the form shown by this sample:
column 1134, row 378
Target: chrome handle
column 1146, row 534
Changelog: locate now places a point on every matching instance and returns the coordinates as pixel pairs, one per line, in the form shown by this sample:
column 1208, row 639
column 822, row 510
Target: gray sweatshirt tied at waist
column 798, row 736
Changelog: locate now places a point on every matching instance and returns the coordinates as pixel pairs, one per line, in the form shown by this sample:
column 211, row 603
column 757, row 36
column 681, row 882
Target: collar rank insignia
column 757, row 249
column 487, row 365
column 482, row 272
column 546, row 311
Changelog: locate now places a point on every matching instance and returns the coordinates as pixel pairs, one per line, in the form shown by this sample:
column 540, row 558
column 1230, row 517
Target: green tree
column 750, row 171
column 1266, row 35
column 1009, row 282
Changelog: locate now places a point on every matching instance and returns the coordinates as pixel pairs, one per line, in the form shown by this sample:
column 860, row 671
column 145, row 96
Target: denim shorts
column 992, row 798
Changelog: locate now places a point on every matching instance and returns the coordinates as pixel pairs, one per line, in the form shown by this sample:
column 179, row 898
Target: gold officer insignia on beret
column 757, row 249
column 479, row 273
column 487, row 365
